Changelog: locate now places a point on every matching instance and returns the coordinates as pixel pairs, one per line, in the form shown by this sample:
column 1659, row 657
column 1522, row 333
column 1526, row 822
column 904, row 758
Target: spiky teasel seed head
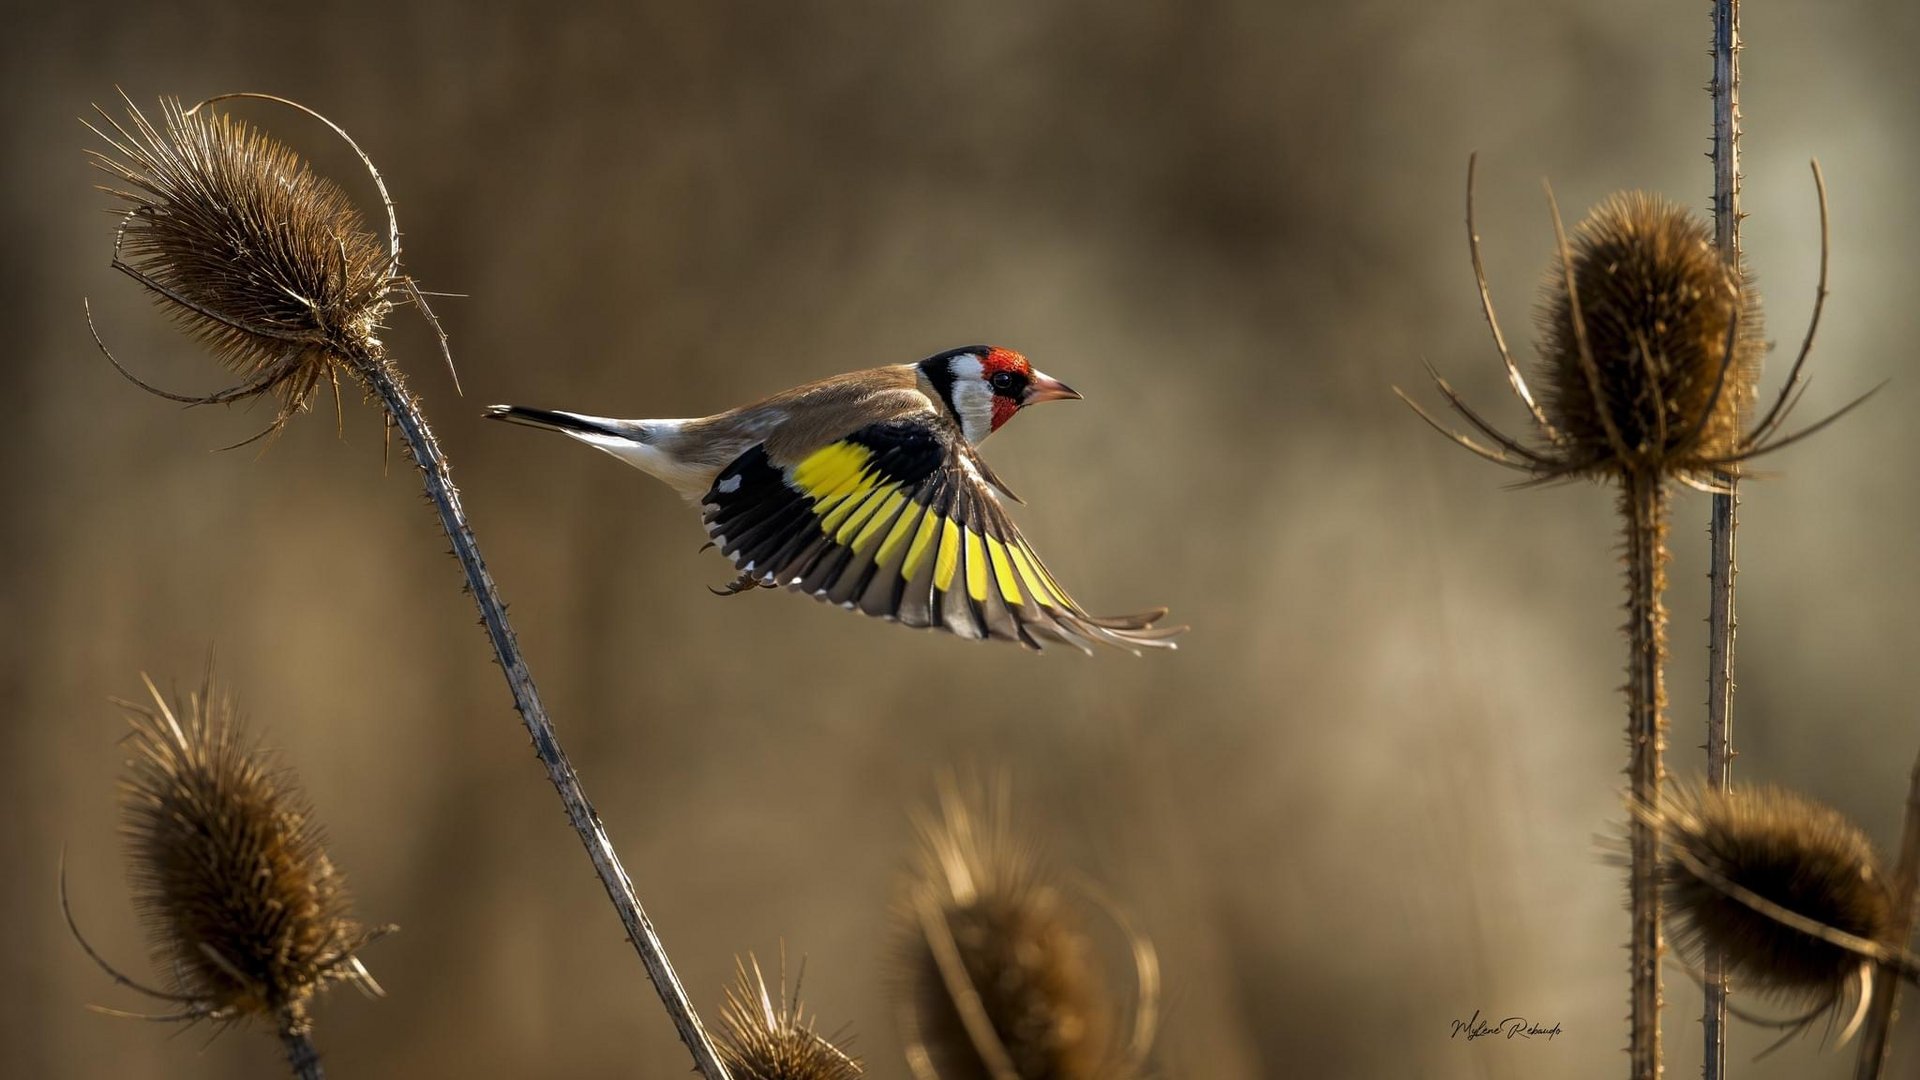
column 1738, row 858
column 228, row 865
column 1652, row 372
column 1654, row 386
column 765, row 1039
column 997, row 973
column 268, row 264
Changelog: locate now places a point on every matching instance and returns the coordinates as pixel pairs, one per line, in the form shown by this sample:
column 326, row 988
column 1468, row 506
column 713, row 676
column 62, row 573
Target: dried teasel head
column 767, row 1039
column 1650, row 343
column 1792, row 893
column 1650, row 352
column 997, row 974
column 243, row 909
column 268, row 264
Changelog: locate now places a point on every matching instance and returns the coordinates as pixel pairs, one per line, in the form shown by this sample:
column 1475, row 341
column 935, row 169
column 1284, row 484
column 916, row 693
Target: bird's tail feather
column 574, row 423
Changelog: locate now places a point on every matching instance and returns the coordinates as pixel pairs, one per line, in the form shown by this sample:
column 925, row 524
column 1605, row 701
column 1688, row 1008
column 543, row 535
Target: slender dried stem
column 296, row 1037
column 1726, row 125
column 1876, row 1038
column 1643, row 505
column 1720, row 630
column 399, row 403
column 1726, row 502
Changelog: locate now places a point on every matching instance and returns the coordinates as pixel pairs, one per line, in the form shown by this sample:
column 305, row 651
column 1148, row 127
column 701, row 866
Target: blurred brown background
column 1360, row 802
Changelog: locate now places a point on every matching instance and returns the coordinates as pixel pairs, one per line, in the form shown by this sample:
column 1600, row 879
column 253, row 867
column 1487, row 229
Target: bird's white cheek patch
column 972, row 398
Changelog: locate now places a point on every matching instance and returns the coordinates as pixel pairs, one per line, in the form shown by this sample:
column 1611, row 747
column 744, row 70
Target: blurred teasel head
column 267, row 263
column 767, row 1039
column 243, row 909
column 997, row 974
column 1792, row 894
column 1650, row 352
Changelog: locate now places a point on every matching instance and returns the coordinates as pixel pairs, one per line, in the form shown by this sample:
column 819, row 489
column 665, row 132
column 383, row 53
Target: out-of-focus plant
column 1796, row 901
column 244, row 911
column 997, row 975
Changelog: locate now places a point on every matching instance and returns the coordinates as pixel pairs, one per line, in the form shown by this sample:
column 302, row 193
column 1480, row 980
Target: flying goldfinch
column 867, row 490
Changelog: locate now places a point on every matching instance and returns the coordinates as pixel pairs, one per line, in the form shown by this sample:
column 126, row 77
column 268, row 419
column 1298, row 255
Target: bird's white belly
column 690, row 479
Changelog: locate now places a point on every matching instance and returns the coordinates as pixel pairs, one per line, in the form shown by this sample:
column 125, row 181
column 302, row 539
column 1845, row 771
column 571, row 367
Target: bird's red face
column 984, row 386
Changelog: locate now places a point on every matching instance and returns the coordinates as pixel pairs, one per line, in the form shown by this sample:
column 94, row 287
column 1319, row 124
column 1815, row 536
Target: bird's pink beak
column 1046, row 388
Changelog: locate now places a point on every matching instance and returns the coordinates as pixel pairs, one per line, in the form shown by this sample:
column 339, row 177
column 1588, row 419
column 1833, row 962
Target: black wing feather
column 900, row 520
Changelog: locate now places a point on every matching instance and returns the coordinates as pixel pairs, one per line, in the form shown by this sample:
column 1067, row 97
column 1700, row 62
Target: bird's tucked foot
column 743, row 583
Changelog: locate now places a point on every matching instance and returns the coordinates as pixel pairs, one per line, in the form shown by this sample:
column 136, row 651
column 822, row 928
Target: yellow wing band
column 948, row 560
column 845, row 498
column 830, row 468
column 1003, row 571
column 976, row 567
column 852, row 512
column 1023, row 561
column 917, row 551
column 902, row 529
column 862, row 540
column 837, row 478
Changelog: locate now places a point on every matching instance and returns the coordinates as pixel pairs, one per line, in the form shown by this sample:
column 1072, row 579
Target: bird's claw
column 743, row 583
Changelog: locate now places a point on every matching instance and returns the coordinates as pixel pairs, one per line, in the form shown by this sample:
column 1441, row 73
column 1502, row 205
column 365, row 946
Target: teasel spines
column 267, row 263
column 1650, row 351
column 1664, row 379
column 242, row 906
column 1738, row 858
column 764, row 1038
column 996, row 972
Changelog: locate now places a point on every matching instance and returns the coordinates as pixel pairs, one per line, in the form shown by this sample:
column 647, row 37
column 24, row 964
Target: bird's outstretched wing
column 898, row 520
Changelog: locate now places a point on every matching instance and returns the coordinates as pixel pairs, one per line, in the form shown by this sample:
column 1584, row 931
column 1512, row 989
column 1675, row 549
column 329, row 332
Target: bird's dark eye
column 1004, row 381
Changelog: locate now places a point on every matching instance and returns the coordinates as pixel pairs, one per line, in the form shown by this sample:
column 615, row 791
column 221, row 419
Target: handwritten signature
column 1511, row 1027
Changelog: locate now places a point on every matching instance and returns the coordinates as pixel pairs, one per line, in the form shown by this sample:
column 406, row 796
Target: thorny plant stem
column 297, row 1040
column 1726, row 503
column 1876, row 1038
column 1643, row 505
column 400, row 405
